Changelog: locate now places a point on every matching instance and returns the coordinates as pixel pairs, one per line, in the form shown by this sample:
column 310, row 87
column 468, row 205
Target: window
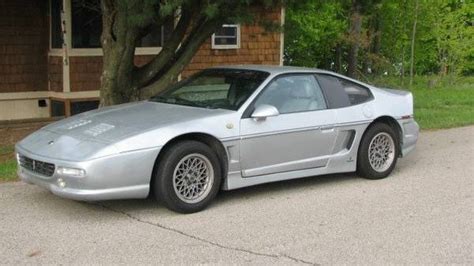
column 341, row 92
column 78, row 107
column 158, row 35
column 295, row 93
column 226, row 37
column 357, row 93
column 56, row 31
column 215, row 88
column 58, row 108
column 333, row 90
column 86, row 23
column 86, row 26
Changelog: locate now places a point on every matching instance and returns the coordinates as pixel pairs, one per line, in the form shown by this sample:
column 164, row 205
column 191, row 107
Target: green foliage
column 211, row 10
column 444, row 42
column 455, row 36
column 312, row 31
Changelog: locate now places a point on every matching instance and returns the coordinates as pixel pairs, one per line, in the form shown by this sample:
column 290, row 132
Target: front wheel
column 188, row 177
column 378, row 152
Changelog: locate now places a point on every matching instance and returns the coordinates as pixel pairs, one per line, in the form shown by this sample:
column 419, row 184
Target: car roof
column 276, row 70
column 272, row 69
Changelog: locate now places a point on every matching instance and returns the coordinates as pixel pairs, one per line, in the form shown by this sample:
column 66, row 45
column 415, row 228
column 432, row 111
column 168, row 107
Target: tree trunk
column 402, row 19
column 413, row 35
column 356, row 24
column 121, row 80
column 118, row 45
column 376, row 43
column 338, row 59
column 185, row 53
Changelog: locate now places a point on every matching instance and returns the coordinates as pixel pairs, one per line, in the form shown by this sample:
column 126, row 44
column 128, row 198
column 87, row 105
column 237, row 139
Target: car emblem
column 51, row 142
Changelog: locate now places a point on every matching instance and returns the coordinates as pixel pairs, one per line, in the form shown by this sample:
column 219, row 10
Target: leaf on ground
column 34, row 253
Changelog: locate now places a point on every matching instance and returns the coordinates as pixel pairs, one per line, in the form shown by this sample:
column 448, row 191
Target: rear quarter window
column 357, row 94
column 341, row 92
column 333, row 91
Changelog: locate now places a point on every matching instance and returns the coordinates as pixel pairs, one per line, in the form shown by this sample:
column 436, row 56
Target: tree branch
column 147, row 73
column 185, row 53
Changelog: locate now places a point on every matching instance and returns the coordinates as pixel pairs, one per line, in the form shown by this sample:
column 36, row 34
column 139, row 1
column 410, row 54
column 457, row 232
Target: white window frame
column 227, row 46
column 86, row 51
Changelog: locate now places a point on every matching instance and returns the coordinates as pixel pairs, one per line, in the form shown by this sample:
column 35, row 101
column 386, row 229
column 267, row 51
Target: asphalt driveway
column 422, row 213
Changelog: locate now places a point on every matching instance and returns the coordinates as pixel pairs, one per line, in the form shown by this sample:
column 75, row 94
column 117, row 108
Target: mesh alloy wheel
column 193, row 178
column 187, row 176
column 381, row 152
column 378, row 151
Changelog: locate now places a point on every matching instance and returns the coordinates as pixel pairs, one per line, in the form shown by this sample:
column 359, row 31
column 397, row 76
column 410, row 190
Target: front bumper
column 410, row 133
column 121, row 176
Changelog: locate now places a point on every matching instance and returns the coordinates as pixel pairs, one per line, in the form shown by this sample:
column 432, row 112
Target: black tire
column 163, row 186
column 364, row 167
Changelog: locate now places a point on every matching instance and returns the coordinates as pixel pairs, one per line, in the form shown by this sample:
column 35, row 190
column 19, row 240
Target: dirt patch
column 6, row 156
column 11, row 133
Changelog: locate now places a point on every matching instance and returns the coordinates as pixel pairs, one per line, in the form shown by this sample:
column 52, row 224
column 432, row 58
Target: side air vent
column 344, row 141
column 350, row 139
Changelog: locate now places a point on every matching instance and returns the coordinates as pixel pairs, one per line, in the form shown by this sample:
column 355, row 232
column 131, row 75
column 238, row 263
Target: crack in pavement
column 277, row 256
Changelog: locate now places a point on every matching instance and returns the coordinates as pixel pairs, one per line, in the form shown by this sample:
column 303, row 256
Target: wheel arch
column 392, row 122
column 211, row 141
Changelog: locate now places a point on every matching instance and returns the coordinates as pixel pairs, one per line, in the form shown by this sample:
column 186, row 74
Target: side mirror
column 263, row 111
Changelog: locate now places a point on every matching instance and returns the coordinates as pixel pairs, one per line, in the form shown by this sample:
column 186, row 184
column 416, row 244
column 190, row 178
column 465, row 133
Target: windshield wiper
column 179, row 100
column 159, row 99
column 188, row 102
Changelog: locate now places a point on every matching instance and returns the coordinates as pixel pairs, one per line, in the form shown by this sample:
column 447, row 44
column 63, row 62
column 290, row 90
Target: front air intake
column 35, row 166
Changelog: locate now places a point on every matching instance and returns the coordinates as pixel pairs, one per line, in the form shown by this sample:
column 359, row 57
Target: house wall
column 23, row 46
column 85, row 71
column 22, row 109
column 23, row 58
column 30, row 72
column 256, row 47
column 55, row 73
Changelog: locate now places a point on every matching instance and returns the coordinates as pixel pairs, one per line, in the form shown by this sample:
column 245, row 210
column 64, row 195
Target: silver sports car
column 224, row 128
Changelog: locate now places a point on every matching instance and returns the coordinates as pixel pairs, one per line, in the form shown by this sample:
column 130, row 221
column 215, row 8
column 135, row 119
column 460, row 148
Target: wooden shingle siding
column 26, row 66
column 256, row 47
column 23, row 46
column 85, row 71
column 55, row 73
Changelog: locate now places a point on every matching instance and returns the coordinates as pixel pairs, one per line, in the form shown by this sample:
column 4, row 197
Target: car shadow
column 232, row 196
column 275, row 188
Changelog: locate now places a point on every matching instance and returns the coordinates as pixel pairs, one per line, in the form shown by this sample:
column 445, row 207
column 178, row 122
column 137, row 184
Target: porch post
column 66, row 28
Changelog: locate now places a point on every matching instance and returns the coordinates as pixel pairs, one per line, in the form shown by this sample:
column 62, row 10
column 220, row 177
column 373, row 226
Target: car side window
column 341, row 92
column 357, row 93
column 293, row 93
column 334, row 91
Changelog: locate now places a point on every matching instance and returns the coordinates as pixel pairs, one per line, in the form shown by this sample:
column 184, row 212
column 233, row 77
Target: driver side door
column 301, row 136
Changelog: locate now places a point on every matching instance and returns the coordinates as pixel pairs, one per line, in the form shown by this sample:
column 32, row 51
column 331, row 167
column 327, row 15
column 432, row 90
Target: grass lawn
column 449, row 103
column 7, row 164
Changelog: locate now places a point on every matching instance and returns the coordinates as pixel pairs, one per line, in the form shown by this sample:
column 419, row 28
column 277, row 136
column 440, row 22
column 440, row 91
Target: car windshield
column 214, row 88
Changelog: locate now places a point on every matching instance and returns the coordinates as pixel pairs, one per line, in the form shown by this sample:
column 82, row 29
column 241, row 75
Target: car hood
column 115, row 123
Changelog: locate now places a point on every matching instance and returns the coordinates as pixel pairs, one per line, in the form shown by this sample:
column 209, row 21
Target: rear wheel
column 378, row 152
column 188, row 177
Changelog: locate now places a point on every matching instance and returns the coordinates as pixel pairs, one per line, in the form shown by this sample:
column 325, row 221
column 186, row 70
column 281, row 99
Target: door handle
column 327, row 128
